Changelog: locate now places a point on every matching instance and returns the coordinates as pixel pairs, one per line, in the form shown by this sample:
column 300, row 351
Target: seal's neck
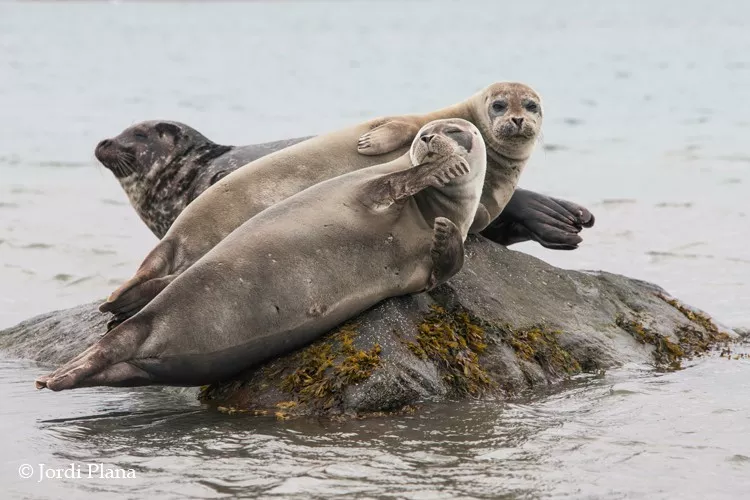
column 459, row 110
column 501, row 180
column 207, row 152
column 170, row 184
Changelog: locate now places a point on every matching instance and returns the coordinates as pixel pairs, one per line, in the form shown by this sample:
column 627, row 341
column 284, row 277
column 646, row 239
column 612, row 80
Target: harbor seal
column 301, row 267
column 508, row 115
column 164, row 165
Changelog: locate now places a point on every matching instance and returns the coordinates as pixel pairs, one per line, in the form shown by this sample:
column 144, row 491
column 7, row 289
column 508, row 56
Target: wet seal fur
column 508, row 115
column 300, row 268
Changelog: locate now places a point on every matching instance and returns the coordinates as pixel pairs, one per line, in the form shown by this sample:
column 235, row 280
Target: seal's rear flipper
column 117, row 346
column 387, row 137
column 447, row 251
column 134, row 299
column 150, row 279
column 122, row 374
column 388, row 189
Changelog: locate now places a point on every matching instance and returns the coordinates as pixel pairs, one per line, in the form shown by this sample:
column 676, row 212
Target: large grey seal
column 164, row 165
column 509, row 116
column 300, row 267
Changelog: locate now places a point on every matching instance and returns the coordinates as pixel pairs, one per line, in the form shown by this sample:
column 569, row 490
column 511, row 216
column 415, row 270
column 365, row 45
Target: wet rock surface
column 508, row 322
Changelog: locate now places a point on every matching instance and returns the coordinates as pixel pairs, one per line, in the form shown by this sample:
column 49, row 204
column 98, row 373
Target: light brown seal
column 300, row 268
column 508, row 115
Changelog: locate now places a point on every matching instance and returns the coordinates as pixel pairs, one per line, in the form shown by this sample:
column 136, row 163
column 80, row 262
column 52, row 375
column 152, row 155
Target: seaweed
column 454, row 340
column 325, row 369
column 540, row 344
column 667, row 354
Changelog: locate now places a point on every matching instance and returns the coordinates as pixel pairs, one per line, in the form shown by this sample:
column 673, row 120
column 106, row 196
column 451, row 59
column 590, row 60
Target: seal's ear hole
column 168, row 129
column 218, row 176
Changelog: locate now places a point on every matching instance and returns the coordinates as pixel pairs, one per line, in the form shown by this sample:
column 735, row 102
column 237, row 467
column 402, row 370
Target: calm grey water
column 647, row 123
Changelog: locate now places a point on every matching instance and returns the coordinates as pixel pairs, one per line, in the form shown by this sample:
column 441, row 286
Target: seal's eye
column 531, row 106
column 499, row 106
column 141, row 136
column 460, row 137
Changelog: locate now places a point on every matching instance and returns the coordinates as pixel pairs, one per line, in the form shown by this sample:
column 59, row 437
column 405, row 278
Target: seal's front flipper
column 387, row 136
column 551, row 222
column 388, row 189
column 447, row 252
column 506, row 233
column 150, row 279
column 581, row 214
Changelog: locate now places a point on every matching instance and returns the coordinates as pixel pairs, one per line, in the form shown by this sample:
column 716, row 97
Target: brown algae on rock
column 308, row 382
column 696, row 341
column 697, row 317
column 540, row 344
column 667, row 354
column 325, row 369
column 454, row 340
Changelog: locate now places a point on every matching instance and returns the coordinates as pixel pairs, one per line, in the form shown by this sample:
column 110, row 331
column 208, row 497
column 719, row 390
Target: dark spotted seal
column 164, row 165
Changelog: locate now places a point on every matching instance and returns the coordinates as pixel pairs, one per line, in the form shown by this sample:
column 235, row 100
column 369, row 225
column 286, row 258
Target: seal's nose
column 104, row 144
column 427, row 138
column 518, row 121
column 101, row 149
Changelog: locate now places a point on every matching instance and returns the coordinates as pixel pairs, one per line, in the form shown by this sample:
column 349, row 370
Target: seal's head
column 510, row 117
column 162, row 166
column 447, row 137
column 138, row 149
column 458, row 143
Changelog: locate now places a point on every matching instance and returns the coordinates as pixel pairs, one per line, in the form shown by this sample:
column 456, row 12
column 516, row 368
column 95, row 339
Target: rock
column 506, row 323
column 55, row 337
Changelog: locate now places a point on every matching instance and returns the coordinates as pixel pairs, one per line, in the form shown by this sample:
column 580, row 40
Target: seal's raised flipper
column 117, row 346
column 391, row 188
column 386, row 137
column 447, row 251
column 551, row 222
column 150, row 279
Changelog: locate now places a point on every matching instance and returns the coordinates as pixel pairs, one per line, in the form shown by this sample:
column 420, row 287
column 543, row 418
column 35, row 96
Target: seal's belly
column 284, row 293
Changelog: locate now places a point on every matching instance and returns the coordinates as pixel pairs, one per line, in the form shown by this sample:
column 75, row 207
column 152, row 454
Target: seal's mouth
column 509, row 130
column 119, row 161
